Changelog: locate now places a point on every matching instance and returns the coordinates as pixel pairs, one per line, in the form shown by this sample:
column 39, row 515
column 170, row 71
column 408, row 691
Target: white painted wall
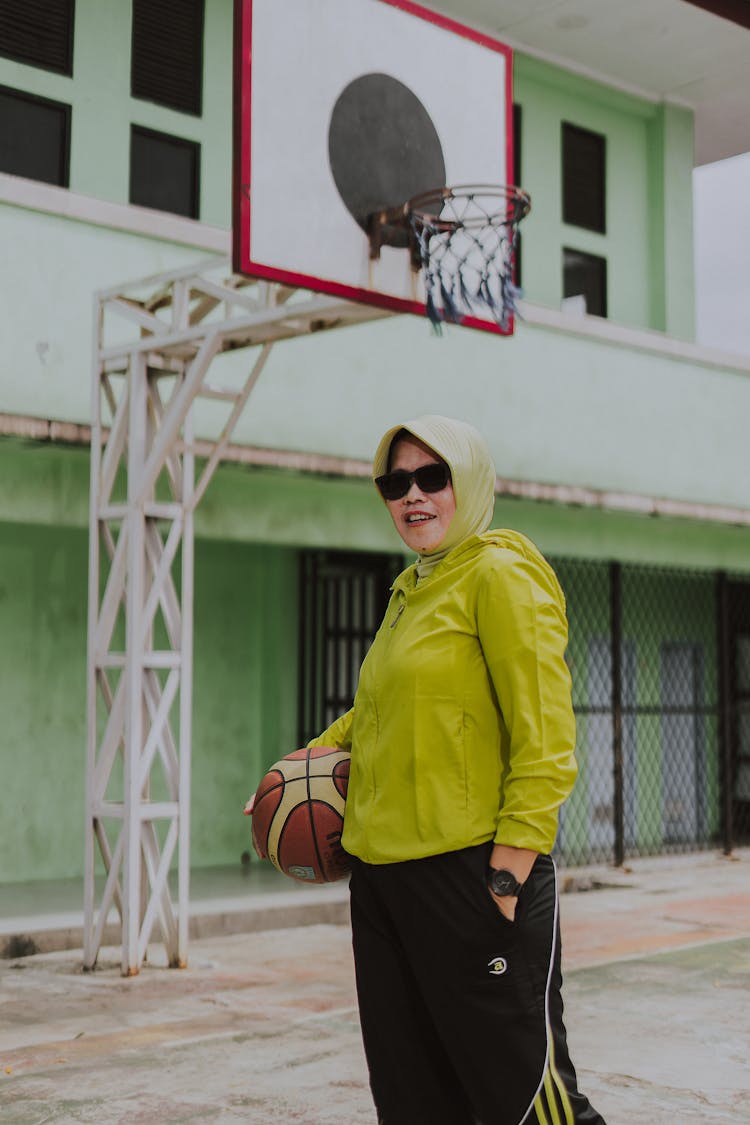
column 565, row 401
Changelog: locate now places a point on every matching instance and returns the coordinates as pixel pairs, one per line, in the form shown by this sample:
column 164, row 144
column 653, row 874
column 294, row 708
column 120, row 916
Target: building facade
column 620, row 442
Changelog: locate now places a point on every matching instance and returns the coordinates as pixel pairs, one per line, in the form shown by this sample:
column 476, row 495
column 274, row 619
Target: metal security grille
column 735, row 609
column 38, row 33
column 660, row 660
column 343, row 597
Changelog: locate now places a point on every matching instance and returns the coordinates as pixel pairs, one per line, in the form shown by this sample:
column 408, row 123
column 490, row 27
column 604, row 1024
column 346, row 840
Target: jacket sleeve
column 339, row 734
column 523, row 631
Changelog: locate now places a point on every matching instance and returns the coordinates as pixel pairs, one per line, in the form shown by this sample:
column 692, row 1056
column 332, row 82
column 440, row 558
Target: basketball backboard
column 347, row 107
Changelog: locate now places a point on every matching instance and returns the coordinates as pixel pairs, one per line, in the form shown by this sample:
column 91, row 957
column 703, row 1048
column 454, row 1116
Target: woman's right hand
column 250, row 805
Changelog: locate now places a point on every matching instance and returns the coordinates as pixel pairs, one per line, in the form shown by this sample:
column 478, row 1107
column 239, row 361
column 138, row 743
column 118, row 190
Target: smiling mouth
column 418, row 517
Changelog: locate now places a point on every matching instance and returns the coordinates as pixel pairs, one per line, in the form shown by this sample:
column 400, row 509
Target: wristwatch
column 503, row 883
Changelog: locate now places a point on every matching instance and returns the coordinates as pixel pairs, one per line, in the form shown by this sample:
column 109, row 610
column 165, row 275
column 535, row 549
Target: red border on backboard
column 241, row 262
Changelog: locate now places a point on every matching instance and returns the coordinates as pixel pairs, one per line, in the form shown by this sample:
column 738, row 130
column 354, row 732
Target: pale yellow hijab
column 472, row 472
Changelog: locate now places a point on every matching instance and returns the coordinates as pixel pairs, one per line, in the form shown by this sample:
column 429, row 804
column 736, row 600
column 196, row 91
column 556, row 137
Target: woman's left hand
column 506, row 905
column 519, row 861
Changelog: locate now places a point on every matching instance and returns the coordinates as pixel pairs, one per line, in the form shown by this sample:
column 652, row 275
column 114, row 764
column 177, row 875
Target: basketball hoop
column 464, row 240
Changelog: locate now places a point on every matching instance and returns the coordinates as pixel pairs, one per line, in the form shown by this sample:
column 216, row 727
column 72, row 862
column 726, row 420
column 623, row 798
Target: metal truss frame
column 145, row 485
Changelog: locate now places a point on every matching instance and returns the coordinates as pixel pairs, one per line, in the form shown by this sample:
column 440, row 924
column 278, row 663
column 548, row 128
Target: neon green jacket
column 462, row 728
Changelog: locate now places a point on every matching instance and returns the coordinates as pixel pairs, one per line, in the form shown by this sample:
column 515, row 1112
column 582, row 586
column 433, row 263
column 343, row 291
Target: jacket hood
column 473, row 475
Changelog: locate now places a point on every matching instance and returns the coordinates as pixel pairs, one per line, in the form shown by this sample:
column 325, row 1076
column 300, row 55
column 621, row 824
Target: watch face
column 504, row 883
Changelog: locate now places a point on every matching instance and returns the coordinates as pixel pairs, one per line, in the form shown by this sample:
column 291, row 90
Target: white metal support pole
column 89, row 865
column 134, row 732
column 186, row 692
column 176, row 330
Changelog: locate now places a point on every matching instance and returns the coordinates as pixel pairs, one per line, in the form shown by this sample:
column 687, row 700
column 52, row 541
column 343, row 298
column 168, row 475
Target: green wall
column 244, row 699
column 648, row 244
column 42, row 700
column 558, row 404
column 245, row 666
column 561, row 402
column 48, row 484
column 245, row 687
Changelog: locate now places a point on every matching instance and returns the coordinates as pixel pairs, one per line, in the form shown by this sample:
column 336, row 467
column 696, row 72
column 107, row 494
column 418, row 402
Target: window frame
column 601, row 261
column 596, row 222
column 67, row 113
column 178, row 142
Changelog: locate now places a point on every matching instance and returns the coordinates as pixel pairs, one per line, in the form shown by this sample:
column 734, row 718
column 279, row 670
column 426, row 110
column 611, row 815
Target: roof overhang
column 694, row 53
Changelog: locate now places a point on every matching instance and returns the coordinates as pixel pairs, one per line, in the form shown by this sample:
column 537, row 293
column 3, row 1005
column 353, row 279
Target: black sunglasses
column 430, row 478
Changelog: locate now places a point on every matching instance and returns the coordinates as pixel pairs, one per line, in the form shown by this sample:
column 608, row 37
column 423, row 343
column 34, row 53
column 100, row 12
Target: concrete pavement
column 44, row 917
column 262, row 1026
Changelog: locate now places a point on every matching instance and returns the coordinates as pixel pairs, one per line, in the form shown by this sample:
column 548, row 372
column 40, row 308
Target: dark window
column 34, row 137
column 585, row 275
column 38, row 32
column 343, row 597
column 517, row 118
column 583, row 178
column 167, row 53
column 517, row 180
column 164, row 172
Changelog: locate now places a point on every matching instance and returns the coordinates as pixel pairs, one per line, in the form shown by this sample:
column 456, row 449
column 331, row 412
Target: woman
column 462, row 736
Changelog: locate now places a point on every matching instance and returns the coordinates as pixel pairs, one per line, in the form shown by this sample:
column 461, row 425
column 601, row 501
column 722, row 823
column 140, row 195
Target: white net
column 465, row 241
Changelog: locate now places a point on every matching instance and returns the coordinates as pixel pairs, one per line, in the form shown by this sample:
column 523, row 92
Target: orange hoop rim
column 511, row 204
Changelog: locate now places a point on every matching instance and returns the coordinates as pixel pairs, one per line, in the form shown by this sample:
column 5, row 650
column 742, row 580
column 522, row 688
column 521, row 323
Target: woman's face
column 421, row 518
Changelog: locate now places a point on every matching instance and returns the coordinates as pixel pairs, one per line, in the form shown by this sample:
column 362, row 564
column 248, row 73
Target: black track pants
column 461, row 1011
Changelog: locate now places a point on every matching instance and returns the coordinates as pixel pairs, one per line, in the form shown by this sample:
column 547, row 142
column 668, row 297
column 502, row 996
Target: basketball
column 298, row 814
